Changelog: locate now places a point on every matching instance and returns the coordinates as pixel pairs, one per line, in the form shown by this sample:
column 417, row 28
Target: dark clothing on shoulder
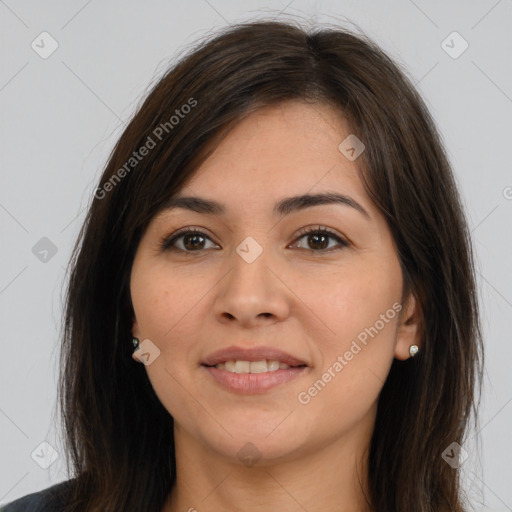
column 47, row 500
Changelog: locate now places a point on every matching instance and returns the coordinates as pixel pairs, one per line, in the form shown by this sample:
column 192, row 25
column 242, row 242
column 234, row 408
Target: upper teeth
column 252, row 366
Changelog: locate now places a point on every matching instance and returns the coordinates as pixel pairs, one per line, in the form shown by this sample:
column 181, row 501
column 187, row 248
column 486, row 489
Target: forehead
column 286, row 149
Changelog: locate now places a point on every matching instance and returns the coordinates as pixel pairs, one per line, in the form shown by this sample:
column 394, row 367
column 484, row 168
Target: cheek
column 158, row 299
column 164, row 308
column 151, row 302
column 349, row 302
column 356, row 352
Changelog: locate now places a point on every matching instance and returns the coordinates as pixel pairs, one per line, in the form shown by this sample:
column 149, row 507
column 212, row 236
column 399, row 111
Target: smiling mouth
column 262, row 366
column 254, row 377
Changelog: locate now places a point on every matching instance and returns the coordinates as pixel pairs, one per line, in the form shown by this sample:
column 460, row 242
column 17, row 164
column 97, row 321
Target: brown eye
column 318, row 239
column 190, row 240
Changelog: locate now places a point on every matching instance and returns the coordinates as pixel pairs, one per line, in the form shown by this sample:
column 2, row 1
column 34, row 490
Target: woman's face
column 253, row 278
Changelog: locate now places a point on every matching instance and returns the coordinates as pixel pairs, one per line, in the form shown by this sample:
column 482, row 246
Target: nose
column 252, row 293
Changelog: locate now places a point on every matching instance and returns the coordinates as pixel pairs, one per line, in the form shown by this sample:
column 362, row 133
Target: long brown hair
column 119, row 437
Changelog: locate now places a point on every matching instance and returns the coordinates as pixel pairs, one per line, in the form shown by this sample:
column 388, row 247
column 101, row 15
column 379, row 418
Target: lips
column 234, row 353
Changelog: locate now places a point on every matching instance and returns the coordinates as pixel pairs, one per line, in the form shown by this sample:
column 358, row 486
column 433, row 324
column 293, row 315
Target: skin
column 310, row 304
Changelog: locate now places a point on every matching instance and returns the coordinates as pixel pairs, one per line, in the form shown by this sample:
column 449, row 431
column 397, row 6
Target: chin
column 261, row 443
column 250, row 452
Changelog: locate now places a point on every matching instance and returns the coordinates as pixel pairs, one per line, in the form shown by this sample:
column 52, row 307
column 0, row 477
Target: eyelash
column 167, row 243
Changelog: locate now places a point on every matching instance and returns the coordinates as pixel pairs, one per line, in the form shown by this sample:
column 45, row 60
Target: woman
column 272, row 300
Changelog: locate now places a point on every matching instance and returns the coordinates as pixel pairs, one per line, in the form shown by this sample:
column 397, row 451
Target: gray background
column 60, row 117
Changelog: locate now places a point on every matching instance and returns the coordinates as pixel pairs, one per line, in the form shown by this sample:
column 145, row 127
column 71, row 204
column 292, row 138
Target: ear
column 135, row 328
column 409, row 328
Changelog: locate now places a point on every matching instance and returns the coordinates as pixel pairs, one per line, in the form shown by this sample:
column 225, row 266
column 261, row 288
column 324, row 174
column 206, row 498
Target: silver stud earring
column 135, row 342
column 413, row 350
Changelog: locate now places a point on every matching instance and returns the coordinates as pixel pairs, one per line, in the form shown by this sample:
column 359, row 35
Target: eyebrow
column 284, row 207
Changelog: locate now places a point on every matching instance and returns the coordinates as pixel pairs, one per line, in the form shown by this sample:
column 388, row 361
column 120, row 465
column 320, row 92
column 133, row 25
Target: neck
column 331, row 477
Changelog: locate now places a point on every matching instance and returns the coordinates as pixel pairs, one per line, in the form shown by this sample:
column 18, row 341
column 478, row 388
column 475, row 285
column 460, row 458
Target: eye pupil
column 316, row 237
column 193, row 245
